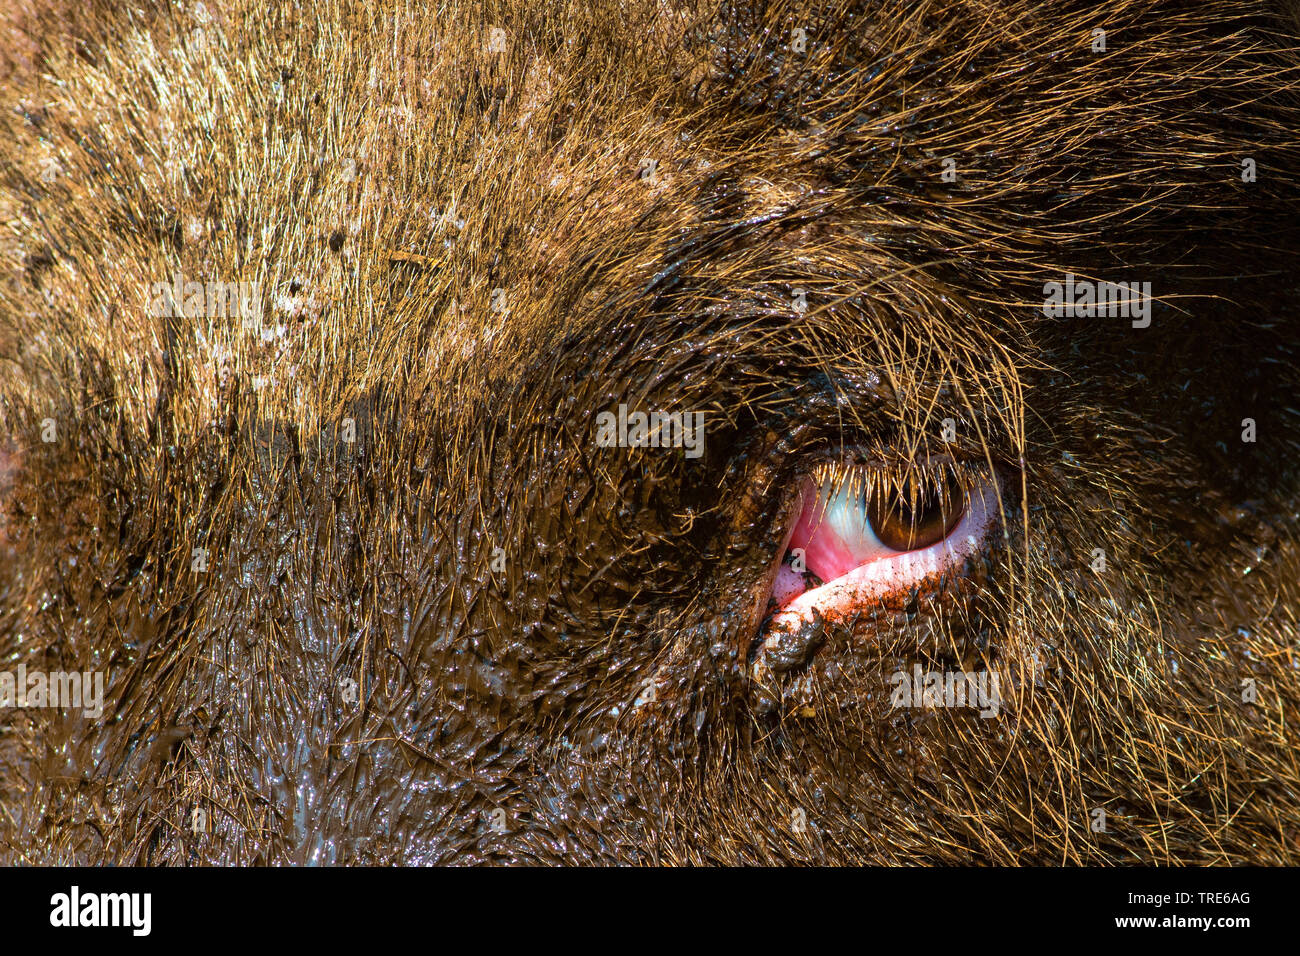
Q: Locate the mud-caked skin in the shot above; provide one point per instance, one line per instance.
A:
(365, 587)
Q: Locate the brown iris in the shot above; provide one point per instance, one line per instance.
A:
(912, 515)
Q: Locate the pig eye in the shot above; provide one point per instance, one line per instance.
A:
(915, 515)
(865, 533)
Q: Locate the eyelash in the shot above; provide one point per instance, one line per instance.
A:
(890, 481)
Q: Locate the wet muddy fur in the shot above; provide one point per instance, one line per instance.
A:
(365, 587)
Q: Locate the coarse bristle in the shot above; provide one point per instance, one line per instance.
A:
(359, 574)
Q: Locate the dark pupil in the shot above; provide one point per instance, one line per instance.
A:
(907, 520)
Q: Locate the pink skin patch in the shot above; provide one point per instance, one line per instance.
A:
(865, 584)
(789, 584)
